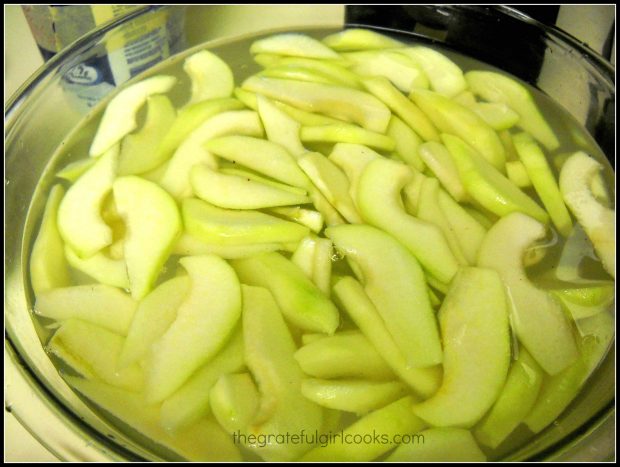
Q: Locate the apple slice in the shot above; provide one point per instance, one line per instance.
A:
(79, 214)
(234, 400)
(200, 329)
(48, 266)
(495, 87)
(407, 142)
(343, 355)
(351, 395)
(176, 178)
(335, 71)
(390, 423)
(303, 257)
(476, 340)
(192, 400)
(188, 245)
(294, 44)
(281, 128)
(119, 118)
(360, 39)
(302, 303)
(233, 228)
(98, 304)
(346, 133)
(495, 114)
(439, 445)
(514, 403)
(153, 226)
(597, 220)
(438, 159)
(211, 77)
(262, 156)
(269, 350)
(140, 150)
(93, 352)
(585, 301)
(154, 315)
(395, 283)
(308, 217)
(380, 205)
(100, 267)
(451, 117)
(340, 102)
(297, 73)
(517, 174)
(537, 317)
(352, 159)
(74, 170)
(130, 409)
(322, 268)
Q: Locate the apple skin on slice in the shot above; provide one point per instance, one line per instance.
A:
(79, 214)
(476, 340)
(153, 225)
(536, 316)
(48, 266)
(204, 321)
(395, 283)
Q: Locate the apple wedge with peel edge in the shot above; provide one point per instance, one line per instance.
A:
(153, 225)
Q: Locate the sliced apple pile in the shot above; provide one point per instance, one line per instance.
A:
(357, 239)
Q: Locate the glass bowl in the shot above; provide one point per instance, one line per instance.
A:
(42, 114)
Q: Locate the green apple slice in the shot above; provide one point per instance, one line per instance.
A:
(74, 170)
(234, 400)
(395, 283)
(191, 117)
(331, 182)
(308, 217)
(380, 205)
(236, 192)
(597, 220)
(536, 316)
(495, 87)
(444, 75)
(340, 102)
(403, 72)
(188, 245)
(351, 395)
(391, 422)
(192, 151)
(439, 445)
(514, 403)
(119, 118)
(451, 117)
(48, 266)
(302, 303)
(487, 185)
(154, 315)
(293, 44)
(281, 128)
(262, 156)
(269, 350)
(79, 214)
(100, 267)
(140, 150)
(93, 352)
(335, 71)
(343, 355)
(191, 401)
(476, 340)
(130, 409)
(346, 133)
(539, 172)
(200, 329)
(98, 304)
(517, 174)
(232, 228)
(360, 39)
(153, 226)
(438, 159)
(407, 142)
(352, 159)
(211, 77)
(387, 93)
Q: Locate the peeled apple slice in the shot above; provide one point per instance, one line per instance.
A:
(407, 142)
(359, 39)
(79, 215)
(200, 329)
(119, 118)
(346, 133)
(439, 160)
(352, 159)
(153, 225)
(48, 266)
(293, 44)
(280, 127)
(74, 170)
(476, 342)
(100, 267)
(188, 245)
(587, 300)
(211, 77)
(336, 72)
(233, 401)
(597, 220)
(537, 317)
